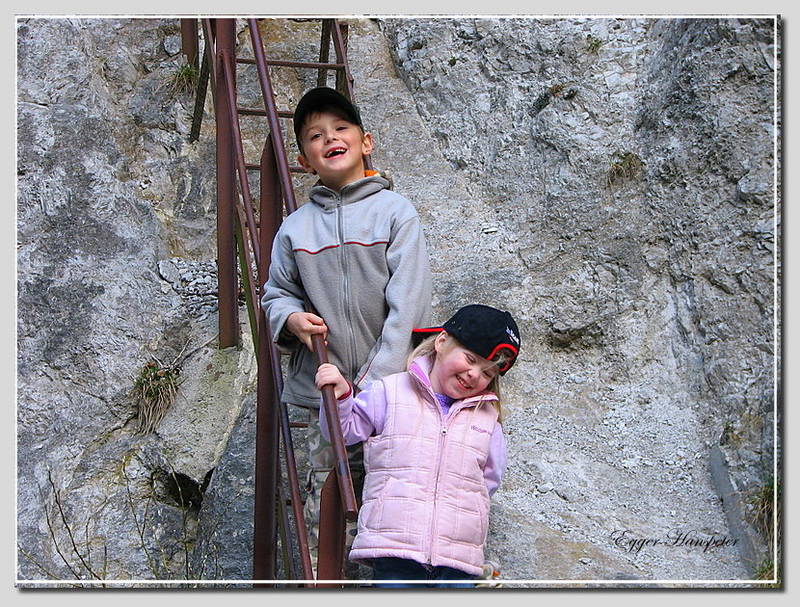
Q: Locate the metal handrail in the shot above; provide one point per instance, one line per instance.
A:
(251, 251)
(329, 398)
(339, 47)
(255, 239)
(269, 225)
(211, 45)
(272, 118)
(244, 184)
(341, 53)
(227, 279)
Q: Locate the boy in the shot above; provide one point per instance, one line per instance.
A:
(356, 251)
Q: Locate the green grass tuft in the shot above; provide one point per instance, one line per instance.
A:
(593, 44)
(766, 519)
(155, 389)
(624, 166)
(184, 80)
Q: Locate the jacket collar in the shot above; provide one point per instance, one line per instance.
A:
(329, 199)
(420, 370)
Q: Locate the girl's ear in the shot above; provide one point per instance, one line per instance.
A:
(439, 342)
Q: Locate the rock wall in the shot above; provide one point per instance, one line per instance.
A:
(624, 170)
(109, 195)
(609, 181)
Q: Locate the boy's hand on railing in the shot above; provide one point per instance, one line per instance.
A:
(305, 324)
(328, 374)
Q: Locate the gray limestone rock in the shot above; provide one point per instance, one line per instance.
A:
(96, 499)
(617, 177)
(608, 181)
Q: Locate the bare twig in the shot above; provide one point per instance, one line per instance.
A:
(53, 533)
(179, 361)
(57, 498)
(184, 530)
(139, 528)
(42, 568)
(86, 540)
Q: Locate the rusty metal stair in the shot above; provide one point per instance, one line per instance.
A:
(246, 237)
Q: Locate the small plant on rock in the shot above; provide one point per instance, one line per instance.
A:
(766, 519)
(184, 80)
(765, 571)
(593, 44)
(763, 502)
(624, 166)
(155, 389)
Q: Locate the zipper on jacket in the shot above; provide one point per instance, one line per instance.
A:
(352, 362)
(444, 424)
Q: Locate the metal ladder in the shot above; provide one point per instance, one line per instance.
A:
(243, 237)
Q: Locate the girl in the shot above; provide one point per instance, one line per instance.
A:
(434, 450)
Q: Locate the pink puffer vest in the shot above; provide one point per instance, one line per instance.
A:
(425, 497)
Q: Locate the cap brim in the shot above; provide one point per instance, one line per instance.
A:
(499, 348)
(419, 335)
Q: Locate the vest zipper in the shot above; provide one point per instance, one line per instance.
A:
(445, 423)
(439, 456)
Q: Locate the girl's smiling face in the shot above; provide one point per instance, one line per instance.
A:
(458, 372)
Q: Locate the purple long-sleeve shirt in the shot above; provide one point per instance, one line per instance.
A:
(365, 415)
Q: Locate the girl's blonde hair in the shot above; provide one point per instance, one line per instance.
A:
(427, 348)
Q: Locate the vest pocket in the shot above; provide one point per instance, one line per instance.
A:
(370, 514)
(296, 360)
(483, 525)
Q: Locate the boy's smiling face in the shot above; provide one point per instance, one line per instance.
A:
(334, 149)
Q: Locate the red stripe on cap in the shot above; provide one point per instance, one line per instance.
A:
(497, 349)
(428, 330)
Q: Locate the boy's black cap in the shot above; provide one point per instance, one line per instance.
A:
(321, 97)
(485, 330)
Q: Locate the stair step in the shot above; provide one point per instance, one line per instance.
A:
(316, 65)
(255, 111)
(293, 168)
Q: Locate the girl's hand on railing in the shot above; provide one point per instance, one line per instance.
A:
(328, 374)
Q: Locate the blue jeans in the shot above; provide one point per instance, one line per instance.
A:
(390, 568)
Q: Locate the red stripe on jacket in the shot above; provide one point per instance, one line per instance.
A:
(333, 246)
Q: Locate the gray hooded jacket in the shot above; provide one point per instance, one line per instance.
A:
(359, 255)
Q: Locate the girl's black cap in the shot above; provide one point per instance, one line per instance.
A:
(485, 330)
